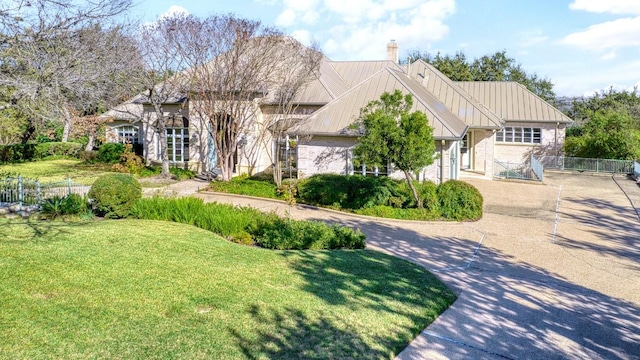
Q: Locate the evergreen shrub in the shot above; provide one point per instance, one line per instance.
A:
(113, 195)
(110, 153)
(459, 200)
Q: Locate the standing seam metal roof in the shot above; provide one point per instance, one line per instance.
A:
(336, 117)
(454, 97)
(513, 101)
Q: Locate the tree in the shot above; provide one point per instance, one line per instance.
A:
(390, 134)
(608, 134)
(234, 67)
(495, 67)
(158, 45)
(63, 57)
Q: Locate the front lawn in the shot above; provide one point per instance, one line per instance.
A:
(56, 170)
(135, 289)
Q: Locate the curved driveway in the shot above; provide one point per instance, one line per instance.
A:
(552, 271)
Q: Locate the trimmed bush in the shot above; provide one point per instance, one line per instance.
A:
(65, 149)
(459, 200)
(110, 153)
(114, 195)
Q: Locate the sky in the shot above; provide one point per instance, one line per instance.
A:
(582, 46)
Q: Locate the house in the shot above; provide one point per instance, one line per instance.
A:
(475, 123)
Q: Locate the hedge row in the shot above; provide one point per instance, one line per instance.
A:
(249, 226)
(385, 197)
(18, 153)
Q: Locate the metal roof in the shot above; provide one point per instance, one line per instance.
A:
(454, 97)
(328, 86)
(336, 117)
(355, 72)
(513, 101)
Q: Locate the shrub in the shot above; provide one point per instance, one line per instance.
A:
(114, 195)
(245, 225)
(56, 206)
(349, 192)
(459, 200)
(285, 234)
(65, 149)
(17, 153)
(129, 161)
(110, 153)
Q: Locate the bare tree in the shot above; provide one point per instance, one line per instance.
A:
(158, 44)
(63, 57)
(235, 67)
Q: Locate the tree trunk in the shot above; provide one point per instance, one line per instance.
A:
(162, 135)
(416, 198)
(66, 130)
(90, 143)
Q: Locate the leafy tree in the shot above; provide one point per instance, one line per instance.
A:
(495, 67)
(607, 135)
(390, 134)
(583, 109)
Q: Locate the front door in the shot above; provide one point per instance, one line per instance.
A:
(465, 153)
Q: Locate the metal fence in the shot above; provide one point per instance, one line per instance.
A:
(586, 164)
(520, 171)
(18, 193)
(636, 169)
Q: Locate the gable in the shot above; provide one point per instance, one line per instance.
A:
(336, 117)
(454, 97)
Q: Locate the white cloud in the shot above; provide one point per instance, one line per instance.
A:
(174, 10)
(365, 29)
(607, 6)
(608, 35)
(286, 18)
(305, 12)
(303, 36)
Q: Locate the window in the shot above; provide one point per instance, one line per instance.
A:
(287, 153)
(178, 144)
(516, 134)
(355, 167)
(128, 134)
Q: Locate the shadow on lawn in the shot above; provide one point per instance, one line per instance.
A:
(298, 337)
(372, 286)
(36, 230)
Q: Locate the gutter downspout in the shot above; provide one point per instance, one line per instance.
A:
(442, 161)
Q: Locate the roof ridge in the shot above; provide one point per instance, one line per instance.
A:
(444, 123)
(461, 91)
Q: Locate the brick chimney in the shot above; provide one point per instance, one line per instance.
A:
(392, 51)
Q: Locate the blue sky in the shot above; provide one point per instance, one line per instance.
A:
(582, 46)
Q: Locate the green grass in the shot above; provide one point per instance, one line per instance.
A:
(56, 170)
(60, 169)
(247, 186)
(139, 289)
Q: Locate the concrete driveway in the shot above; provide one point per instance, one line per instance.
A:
(552, 271)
